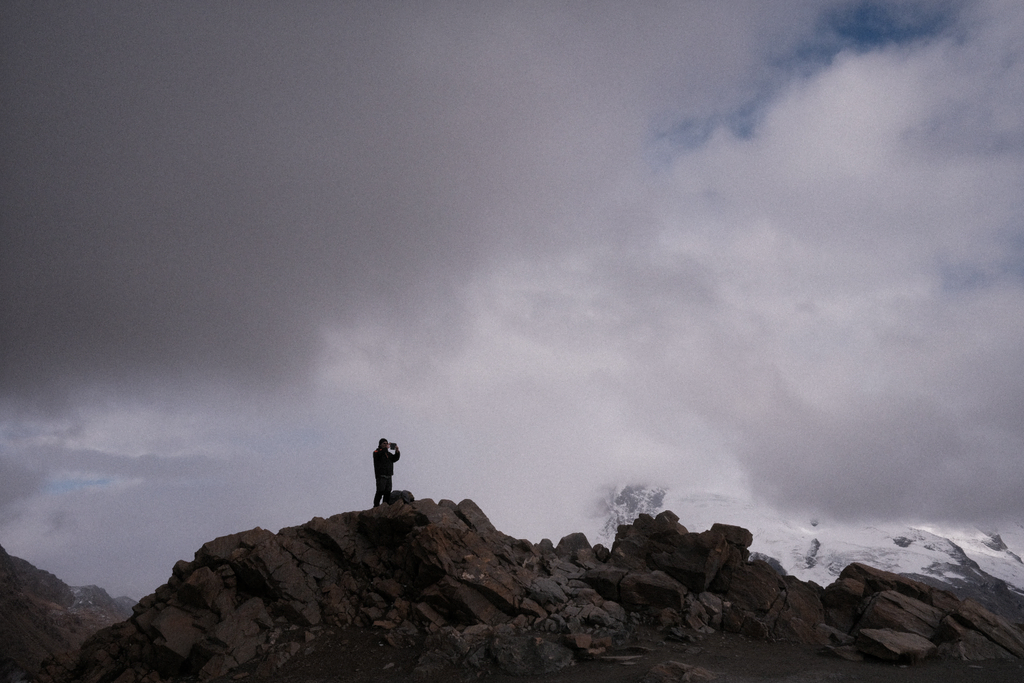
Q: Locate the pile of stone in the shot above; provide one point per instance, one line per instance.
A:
(440, 576)
(892, 617)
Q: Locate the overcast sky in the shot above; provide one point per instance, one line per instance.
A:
(773, 250)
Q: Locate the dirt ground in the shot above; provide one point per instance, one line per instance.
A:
(362, 656)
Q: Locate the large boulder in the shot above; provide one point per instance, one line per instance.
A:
(755, 587)
(737, 537)
(694, 560)
(470, 513)
(570, 546)
(605, 580)
(176, 634)
(651, 589)
(894, 645)
(842, 602)
(801, 613)
(635, 543)
(956, 641)
(994, 627)
(878, 580)
(896, 611)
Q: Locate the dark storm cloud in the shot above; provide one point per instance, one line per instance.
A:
(190, 193)
(185, 192)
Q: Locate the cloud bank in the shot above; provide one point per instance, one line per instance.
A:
(549, 249)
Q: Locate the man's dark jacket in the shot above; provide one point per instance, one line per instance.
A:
(383, 462)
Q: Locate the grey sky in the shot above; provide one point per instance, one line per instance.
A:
(773, 249)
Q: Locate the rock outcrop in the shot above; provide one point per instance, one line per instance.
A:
(439, 575)
(893, 617)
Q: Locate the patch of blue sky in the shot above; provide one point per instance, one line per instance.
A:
(865, 25)
(858, 26)
(693, 132)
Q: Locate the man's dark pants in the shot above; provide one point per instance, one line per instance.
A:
(383, 489)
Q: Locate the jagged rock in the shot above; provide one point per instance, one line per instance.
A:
(801, 613)
(605, 580)
(894, 645)
(470, 513)
(405, 635)
(735, 535)
(486, 575)
(994, 627)
(664, 530)
(973, 647)
(615, 612)
(878, 580)
(201, 588)
(739, 540)
(570, 546)
(546, 591)
(695, 559)
(842, 602)
(896, 611)
(220, 549)
(241, 632)
(714, 607)
(461, 603)
(651, 589)
(696, 615)
(177, 635)
(755, 587)
(959, 642)
(635, 543)
(629, 550)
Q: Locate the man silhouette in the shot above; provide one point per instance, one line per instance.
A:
(383, 469)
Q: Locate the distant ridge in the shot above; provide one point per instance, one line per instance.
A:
(41, 616)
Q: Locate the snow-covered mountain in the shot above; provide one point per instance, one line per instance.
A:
(985, 564)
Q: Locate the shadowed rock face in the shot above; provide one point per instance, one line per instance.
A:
(443, 573)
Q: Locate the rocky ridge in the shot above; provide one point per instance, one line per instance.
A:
(441, 577)
(40, 615)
